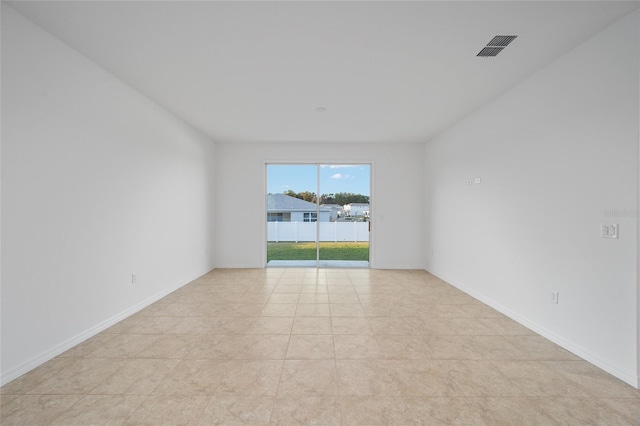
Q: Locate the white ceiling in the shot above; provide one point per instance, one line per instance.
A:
(385, 71)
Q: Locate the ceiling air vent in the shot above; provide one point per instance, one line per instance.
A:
(496, 45)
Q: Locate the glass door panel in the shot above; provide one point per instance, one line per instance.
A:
(344, 212)
(292, 215)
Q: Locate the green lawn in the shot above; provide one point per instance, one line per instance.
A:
(328, 251)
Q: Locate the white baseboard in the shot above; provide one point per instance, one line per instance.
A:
(627, 377)
(79, 338)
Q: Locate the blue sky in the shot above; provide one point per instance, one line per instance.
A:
(333, 178)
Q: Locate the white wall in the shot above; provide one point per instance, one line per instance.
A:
(98, 182)
(553, 153)
(397, 183)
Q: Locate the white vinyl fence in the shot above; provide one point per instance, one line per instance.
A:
(306, 231)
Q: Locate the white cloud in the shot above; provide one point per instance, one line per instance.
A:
(341, 176)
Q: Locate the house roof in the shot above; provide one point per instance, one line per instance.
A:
(286, 203)
(332, 206)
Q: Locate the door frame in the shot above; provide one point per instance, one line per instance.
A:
(317, 163)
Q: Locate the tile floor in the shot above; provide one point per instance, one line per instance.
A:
(320, 347)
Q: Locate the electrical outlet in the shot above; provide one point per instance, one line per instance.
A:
(134, 278)
(609, 231)
(554, 297)
(477, 180)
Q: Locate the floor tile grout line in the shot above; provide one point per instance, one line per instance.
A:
(335, 364)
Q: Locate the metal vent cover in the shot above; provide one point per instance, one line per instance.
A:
(501, 40)
(496, 45)
(490, 51)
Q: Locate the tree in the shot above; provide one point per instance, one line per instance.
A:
(343, 198)
(327, 199)
(340, 198)
(308, 196)
(304, 195)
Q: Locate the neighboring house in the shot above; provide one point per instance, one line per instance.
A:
(336, 211)
(357, 209)
(284, 208)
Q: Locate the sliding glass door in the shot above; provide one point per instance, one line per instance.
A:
(318, 215)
